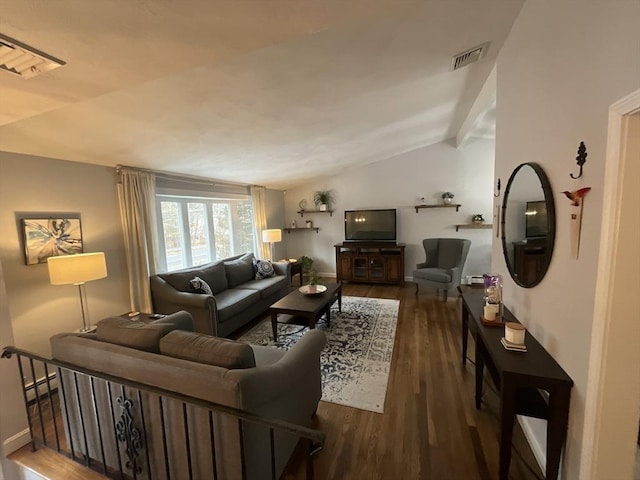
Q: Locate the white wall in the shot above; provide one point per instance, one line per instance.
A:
(33, 184)
(562, 66)
(398, 182)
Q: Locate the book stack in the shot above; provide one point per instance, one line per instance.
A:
(515, 347)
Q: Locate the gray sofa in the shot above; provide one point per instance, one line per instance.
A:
(237, 297)
(272, 383)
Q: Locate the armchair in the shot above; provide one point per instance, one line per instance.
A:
(443, 265)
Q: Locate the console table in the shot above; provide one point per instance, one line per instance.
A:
(520, 378)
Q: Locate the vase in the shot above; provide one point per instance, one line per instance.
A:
(323, 207)
(447, 200)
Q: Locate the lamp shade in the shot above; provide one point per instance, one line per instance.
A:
(272, 235)
(80, 268)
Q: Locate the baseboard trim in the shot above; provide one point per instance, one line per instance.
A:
(16, 442)
(539, 452)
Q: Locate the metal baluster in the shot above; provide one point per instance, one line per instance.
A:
(134, 463)
(144, 432)
(53, 415)
(66, 413)
(95, 407)
(164, 440)
(185, 418)
(84, 431)
(273, 454)
(242, 460)
(213, 446)
(115, 430)
(26, 403)
(37, 395)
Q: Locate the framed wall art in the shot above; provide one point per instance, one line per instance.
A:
(50, 237)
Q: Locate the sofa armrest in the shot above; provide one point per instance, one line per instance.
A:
(422, 265)
(296, 374)
(202, 307)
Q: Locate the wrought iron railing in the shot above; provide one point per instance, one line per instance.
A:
(65, 412)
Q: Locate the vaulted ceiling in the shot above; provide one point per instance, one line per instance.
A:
(270, 92)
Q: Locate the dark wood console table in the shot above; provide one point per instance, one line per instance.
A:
(519, 377)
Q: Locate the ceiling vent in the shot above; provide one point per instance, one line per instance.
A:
(24, 61)
(469, 56)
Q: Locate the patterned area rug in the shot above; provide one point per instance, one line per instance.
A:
(355, 362)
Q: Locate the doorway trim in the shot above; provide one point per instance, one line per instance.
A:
(601, 337)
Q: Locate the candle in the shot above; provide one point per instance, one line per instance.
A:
(489, 312)
(514, 333)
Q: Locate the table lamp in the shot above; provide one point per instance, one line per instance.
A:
(271, 236)
(76, 270)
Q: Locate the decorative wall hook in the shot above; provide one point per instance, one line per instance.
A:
(497, 188)
(581, 159)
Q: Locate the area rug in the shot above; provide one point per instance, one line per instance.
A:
(355, 363)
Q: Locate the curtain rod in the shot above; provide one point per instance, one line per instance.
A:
(186, 178)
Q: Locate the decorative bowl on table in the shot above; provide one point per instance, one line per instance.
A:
(312, 289)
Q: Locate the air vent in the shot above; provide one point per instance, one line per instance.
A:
(24, 61)
(469, 56)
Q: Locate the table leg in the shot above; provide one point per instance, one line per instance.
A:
(465, 333)
(479, 372)
(312, 321)
(274, 325)
(556, 429)
(329, 315)
(507, 417)
(340, 299)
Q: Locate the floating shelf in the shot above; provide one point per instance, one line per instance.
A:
(474, 225)
(289, 230)
(302, 212)
(451, 205)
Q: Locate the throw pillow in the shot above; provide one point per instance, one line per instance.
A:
(200, 286)
(264, 269)
(240, 270)
(197, 347)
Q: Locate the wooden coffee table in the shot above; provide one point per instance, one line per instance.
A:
(307, 308)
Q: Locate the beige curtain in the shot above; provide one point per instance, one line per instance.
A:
(260, 215)
(136, 195)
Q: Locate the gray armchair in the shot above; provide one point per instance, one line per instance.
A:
(443, 267)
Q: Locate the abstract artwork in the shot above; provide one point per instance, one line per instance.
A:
(50, 237)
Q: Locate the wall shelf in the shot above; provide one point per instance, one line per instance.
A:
(302, 212)
(474, 225)
(289, 230)
(451, 205)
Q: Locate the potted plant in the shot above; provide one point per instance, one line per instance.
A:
(323, 199)
(307, 263)
(447, 197)
(477, 218)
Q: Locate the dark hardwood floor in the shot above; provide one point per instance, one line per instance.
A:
(430, 428)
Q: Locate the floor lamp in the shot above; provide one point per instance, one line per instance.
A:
(272, 236)
(76, 270)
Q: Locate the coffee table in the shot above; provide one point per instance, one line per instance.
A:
(306, 309)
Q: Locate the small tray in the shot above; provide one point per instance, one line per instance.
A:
(307, 290)
(492, 323)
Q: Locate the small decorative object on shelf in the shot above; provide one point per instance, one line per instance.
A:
(309, 224)
(293, 224)
(323, 199)
(447, 197)
(302, 204)
(477, 219)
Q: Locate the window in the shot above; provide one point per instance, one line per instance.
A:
(195, 230)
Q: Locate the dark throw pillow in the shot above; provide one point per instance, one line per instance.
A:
(200, 286)
(264, 269)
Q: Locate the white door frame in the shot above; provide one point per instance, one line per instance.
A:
(602, 338)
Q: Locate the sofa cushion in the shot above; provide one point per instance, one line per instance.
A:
(267, 286)
(240, 270)
(436, 274)
(233, 301)
(200, 286)
(141, 335)
(200, 348)
(212, 273)
(264, 269)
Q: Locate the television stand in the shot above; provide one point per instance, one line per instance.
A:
(370, 262)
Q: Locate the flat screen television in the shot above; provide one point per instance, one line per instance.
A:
(370, 225)
(536, 219)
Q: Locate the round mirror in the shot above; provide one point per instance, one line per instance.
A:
(528, 224)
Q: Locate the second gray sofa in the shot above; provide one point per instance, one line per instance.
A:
(236, 296)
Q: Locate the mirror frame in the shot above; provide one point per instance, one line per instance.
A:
(551, 222)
